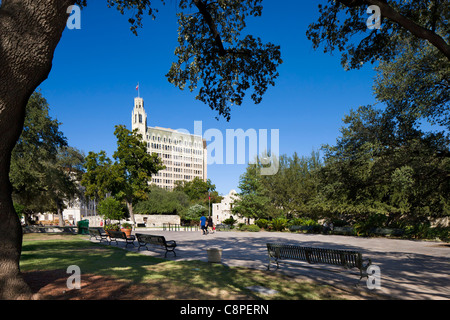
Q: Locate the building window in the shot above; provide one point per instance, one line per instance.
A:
(140, 118)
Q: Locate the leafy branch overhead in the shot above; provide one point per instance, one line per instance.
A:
(341, 21)
(212, 51)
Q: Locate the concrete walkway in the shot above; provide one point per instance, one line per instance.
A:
(409, 269)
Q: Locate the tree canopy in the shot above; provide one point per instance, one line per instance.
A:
(45, 171)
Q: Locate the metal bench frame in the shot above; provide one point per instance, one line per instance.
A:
(279, 252)
(145, 239)
(114, 235)
(98, 234)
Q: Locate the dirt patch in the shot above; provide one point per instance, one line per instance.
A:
(52, 285)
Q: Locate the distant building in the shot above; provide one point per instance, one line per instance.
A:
(75, 210)
(184, 155)
(223, 210)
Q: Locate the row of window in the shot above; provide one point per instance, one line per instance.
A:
(170, 175)
(181, 164)
(175, 141)
(170, 181)
(163, 147)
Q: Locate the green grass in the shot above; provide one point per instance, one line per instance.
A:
(181, 279)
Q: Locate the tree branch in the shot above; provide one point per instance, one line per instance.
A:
(202, 7)
(417, 30)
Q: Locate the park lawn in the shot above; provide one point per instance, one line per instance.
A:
(109, 272)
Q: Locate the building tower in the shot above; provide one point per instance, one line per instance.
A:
(139, 117)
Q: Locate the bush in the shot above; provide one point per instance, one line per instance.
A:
(279, 224)
(112, 227)
(126, 225)
(111, 209)
(304, 224)
(230, 221)
(373, 221)
(425, 231)
(251, 228)
(262, 223)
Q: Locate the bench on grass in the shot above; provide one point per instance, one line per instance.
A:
(279, 252)
(98, 234)
(145, 239)
(114, 235)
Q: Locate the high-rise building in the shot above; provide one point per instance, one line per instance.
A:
(184, 155)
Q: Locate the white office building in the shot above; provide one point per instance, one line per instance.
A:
(184, 155)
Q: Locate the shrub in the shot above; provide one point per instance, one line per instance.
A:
(279, 224)
(304, 224)
(126, 225)
(230, 221)
(262, 223)
(251, 228)
(373, 221)
(111, 208)
(112, 227)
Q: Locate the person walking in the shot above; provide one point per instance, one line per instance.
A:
(210, 224)
(203, 225)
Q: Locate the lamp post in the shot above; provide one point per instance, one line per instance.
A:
(209, 204)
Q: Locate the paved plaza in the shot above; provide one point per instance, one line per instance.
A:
(409, 269)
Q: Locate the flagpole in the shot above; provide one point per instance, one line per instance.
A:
(139, 92)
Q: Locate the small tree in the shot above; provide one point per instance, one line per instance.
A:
(111, 209)
(194, 212)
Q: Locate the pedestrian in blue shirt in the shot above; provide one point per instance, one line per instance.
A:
(203, 224)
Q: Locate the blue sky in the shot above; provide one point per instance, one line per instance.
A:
(95, 71)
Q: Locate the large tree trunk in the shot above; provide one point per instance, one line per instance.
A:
(29, 33)
(130, 211)
(59, 212)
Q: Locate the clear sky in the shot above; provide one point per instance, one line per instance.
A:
(92, 85)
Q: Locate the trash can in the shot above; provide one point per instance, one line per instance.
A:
(214, 255)
(83, 227)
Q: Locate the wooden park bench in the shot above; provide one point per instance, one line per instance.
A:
(145, 239)
(98, 234)
(345, 258)
(114, 235)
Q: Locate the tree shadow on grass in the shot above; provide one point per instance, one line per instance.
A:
(109, 272)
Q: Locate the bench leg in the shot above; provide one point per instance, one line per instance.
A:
(270, 261)
(128, 242)
(142, 245)
(173, 250)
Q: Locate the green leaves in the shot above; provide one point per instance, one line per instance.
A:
(127, 178)
(43, 167)
(342, 26)
(382, 164)
(161, 201)
(213, 55)
(134, 166)
(111, 208)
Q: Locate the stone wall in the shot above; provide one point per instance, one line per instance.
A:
(156, 220)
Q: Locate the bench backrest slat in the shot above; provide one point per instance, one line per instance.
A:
(151, 239)
(346, 258)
